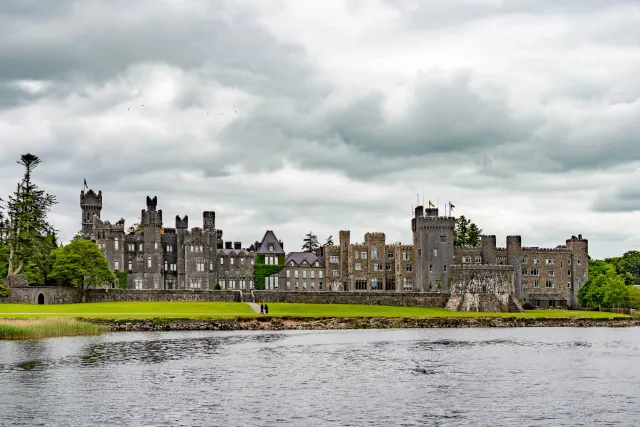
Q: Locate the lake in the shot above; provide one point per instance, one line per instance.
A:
(410, 377)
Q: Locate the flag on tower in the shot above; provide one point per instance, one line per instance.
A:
(431, 205)
(451, 206)
(85, 184)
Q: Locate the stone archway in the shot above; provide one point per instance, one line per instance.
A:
(40, 298)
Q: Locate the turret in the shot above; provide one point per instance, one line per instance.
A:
(434, 246)
(209, 220)
(91, 205)
(488, 249)
(514, 255)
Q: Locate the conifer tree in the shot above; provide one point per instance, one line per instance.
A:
(310, 242)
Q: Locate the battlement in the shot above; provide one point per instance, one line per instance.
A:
(182, 223)
(481, 267)
(209, 220)
(487, 237)
(152, 203)
(374, 235)
(537, 249)
(90, 197)
(169, 231)
(514, 239)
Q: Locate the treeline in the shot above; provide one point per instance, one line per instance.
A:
(29, 246)
(612, 282)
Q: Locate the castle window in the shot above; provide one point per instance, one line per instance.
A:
(443, 239)
(390, 255)
(525, 271)
(130, 265)
(270, 247)
(295, 283)
(117, 265)
(200, 265)
(466, 259)
(407, 285)
(578, 261)
(155, 245)
(435, 252)
(115, 243)
(221, 261)
(363, 255)
(173, 267)
(361, 284)
(304, 274)
(210, 265)
(377, 267)
(241, 260)
(568, 284)
(569, 273)
(313, 284)
(317, 264)
(390, 284)
(288, 273)
(549, 261)
(222, 284)
(356, 254)
(405, 256)
(334, 259)
(320, 276)
(169, 248)
(430, 268)
(137, 282)
(388, 266)
(295, 274)
(201, 248)
(313, 274)
(374, 284)
(374, 252)
(335, 273)
(419, 252)
(569, 261)
(550, 272)
(304, 284)
(252, 261)
(445, 267)
(166, 266)
(478, 260)
(536, 260)
(408, 268)
(149, 262)
(525, 260)
(536, 284)
(231, 260)
(535, 272)
(549, 283)
(357, 266)
(288, 285)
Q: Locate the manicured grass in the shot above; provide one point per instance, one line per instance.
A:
(130, 310)
(199, 310)
(352, 310)
(12, 329)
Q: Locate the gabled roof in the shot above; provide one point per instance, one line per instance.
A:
(270, 238)
(299, 257)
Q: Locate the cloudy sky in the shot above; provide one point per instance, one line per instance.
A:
(328, 115)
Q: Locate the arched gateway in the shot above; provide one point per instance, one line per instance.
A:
(40, 298)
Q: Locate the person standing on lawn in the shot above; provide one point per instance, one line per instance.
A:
(266, 309)
(261, 308)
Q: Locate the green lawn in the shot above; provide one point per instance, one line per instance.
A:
(194, 310)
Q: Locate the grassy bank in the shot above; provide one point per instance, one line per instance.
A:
(220, 310)
(12, 329)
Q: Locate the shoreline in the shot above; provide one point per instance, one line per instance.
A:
(341, 323)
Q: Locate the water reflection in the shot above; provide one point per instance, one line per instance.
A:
(529, 376)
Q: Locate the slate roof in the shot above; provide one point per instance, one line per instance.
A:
(270, 237)
(299, 257)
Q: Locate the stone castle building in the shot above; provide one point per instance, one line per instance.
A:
(181, 258)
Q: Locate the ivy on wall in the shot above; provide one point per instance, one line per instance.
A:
(122, 278)
(262, 270)
(4, 291)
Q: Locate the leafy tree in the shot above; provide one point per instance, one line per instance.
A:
(466, 233)
(82, 264)
(310, 242)
(616, 293)
(634, 297)
(28, 232)
(329, 241)
(604, 288)
(135, 227)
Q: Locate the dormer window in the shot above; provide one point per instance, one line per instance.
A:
(271, 247)
(293, 264)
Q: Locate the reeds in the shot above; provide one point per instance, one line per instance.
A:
(15, 329)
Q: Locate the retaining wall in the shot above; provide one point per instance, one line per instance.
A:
(413, 299)
(50, 295)
(152, 295)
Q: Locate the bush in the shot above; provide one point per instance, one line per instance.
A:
(528, 306)
(217, 287)
(4, 291)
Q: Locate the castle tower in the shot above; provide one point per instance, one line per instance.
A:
(579, 267)
(209, 220)
(514, 255)
(434, 245)
(345, 242)
(151, 222)
(91, 205)
(182, 225)
(488, 249)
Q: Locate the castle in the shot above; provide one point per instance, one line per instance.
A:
(178, 258)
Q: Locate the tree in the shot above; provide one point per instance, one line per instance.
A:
(329, 241)
(466, 233)
(634, 297)
(616, 293)
(605, 287)
(135, 227)
(27, 228)
(83, 265)
(310, 242)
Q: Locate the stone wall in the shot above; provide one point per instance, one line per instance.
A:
(483, 288)
(152, 295)
(413, 299)
(50, 295)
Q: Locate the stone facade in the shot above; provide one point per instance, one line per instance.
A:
(122, 295)
(412, 299)
(483, 288)
(372, 265)
(303, 271)
(42, 295)
(167, 258)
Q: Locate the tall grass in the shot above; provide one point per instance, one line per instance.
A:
(15, 329)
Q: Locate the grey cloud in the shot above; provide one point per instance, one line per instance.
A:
(623, 198)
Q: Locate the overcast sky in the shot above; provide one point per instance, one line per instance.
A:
(328, 115)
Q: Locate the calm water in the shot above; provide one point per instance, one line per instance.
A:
(439, 377)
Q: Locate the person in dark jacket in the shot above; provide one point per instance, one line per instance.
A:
(261, 308)
(266, 309)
